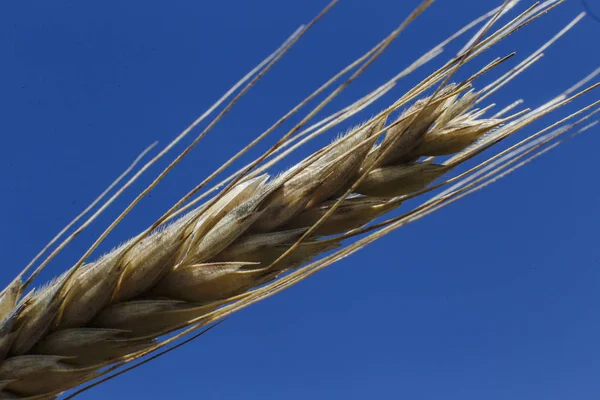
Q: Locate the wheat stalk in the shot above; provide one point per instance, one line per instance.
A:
(198, 264)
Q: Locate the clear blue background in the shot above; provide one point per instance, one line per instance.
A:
(494, 297)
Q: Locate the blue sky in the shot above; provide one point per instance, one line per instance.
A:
(493, 297)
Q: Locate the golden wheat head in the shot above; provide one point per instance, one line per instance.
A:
(258, 234)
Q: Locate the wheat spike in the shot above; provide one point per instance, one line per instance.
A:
(263, 233)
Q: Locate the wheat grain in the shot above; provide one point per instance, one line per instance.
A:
(261, 233)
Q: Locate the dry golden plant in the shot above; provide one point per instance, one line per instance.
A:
(258, 234)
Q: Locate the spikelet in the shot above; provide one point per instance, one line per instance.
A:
(85, 347)
(402, 139)
(205, 283)
(38, 309)
(9, 299)
(352, 213)
(455, 137)
(400, 180)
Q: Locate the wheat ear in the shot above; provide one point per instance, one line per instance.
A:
(261, 234)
